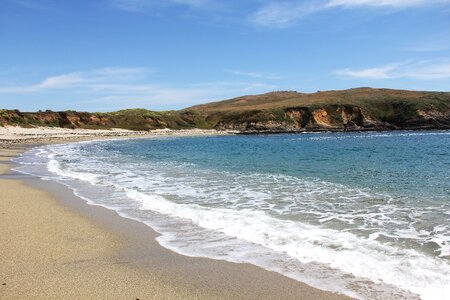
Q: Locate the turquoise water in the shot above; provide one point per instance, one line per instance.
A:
(365, 214)
(409, 164)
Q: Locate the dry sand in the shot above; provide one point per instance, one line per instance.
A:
(20, 135)
(55, 246)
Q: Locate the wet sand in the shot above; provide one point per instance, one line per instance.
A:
(54, 245)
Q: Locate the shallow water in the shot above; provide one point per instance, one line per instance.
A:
(365, 214)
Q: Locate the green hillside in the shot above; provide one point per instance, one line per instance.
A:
(286, 111)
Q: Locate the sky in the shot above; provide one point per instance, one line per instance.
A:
(105, 55)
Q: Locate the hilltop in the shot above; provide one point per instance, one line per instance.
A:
(354, 109)
(284, 111)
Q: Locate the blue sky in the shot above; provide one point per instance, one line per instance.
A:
(106, 55)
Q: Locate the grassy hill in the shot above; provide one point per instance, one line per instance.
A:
(286, 111)
(355, 109)
(133, 119)
(363, 97)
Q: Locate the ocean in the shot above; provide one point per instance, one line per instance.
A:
(363, 214)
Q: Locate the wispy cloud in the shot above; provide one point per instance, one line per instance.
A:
(383, 72)
(167, 96)
(272, 13)
(284, 14)
(261, 75)
(144, 5)
(384, 3)
(420, 70)
(87, 79)
(131, 87)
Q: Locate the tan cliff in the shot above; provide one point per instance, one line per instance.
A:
(349, 110)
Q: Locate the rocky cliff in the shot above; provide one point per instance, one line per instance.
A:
(332, 118)
(350, 110)
(133, 119)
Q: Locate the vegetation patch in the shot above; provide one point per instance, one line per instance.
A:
(386, 109)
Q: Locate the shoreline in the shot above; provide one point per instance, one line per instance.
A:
(325, 130)
(128, 259)
(13, 135)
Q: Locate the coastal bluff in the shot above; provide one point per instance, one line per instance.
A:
(361, 109)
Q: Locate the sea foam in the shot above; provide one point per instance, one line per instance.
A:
(349, 240)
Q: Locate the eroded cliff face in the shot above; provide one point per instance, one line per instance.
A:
(336, 118)
(71, 119)
(348, 110)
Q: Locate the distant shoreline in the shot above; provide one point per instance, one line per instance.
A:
(269, 132)
(42, 135)
(14, 135)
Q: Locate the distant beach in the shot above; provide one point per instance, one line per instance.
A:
(42, 135)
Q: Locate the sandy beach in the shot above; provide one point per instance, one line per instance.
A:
(55, 246)
(41, 135)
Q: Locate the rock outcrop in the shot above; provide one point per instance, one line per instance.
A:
(350, 110)
(341, 118)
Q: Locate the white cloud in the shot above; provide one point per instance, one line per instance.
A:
(271, 13)
(420, 70)
(372, 73)
(182, 95)
(60, 81)
(430, 72)
(143, 5)
(284, 14)
(381, 3)
(164, 97)
(130, 87)
(91, 78)
(87, 79)
(261, 75)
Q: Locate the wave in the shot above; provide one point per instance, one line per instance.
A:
(328, 235)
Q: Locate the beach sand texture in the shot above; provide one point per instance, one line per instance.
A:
(54, 246)
(20, 135)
